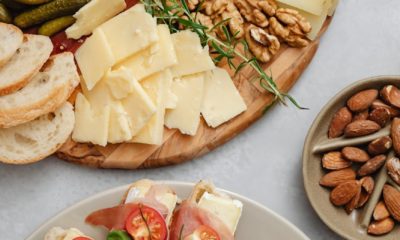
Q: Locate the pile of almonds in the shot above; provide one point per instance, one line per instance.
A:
(352, 169)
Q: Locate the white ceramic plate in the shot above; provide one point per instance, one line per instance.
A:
(257, 222)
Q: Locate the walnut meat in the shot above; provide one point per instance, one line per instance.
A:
(261, 44)
(257, 12)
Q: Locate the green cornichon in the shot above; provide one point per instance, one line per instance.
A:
(48, 11)
(33, 2)
(56, 25)
(5, 15)
(118, 235)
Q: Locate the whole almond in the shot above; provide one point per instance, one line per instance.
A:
(350, 206)
(391, 94)
(373, 165)
(335, 178)
(394, 112)
(380, 211)
(355, 154)
(368, 184)
(395, 133)
(381, 227)
(380, 115)
(362, 100)
(339, 122)
(393, 168)
(392, 200)
(380, 145)
(344, 192)
(334, 161)
(361, 128)
(364, 196)
(361, 115)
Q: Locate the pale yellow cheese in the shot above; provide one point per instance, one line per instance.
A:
(156, 88)
(192, 57)
(332, 5)
(130, 33)
(186, 115)
(120, 82)
(139, 7)
(315, 7)
(119, 127)
(172, 99)
(100, 96)
(157, 57)
(221, 100)
(94, 58)
(93, 15)
(90, 126)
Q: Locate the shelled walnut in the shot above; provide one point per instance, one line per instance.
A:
(261, 44)
(257, 12)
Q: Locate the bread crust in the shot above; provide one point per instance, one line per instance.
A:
(15, 29)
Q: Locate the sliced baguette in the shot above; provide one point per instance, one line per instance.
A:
(10, 40)
(25, 63)
(34, 141)
(46, 92)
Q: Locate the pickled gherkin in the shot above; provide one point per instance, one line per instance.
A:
(56, 25)
(48, 11)
(5, 15)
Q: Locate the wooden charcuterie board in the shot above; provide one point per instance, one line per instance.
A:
(286, 68)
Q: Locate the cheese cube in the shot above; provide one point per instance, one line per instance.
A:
(90, 126)
(93, 15)
(119, 127)
(120, 82)
(155, 87)
(192, 57)
(315, 7)
(94, 58)
(186, 115)
(129, 33)
(221, 101)
(227, 210)
(156, 58)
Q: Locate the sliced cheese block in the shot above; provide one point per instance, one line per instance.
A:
(90, 126)
(221, 101)
(119, 126)
(100, 96)
(156, 87)
(192, 57)
(94, 58)
(93, 15)
(332, 5)
(120, 82)
(315, 7)
(130, 33)
(157, 57)
(186, 115)
(228, 210)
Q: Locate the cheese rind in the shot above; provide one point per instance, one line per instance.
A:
(186, 115)
(332, 5)
(119, 126)
(93, 15)
(221, 101)
(120, 82)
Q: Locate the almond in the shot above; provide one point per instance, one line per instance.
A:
(380, 115)
(392, 201)
(335, 178)
(380, 211)
(362, 100)
(361, 115)
(364, 197)
(361, 128)
(355, 154)
(368, 184)
(344, 192)
(350, 206)
(394, 112)
(381, 227)
(334, 161)
(391, 95)
(393, 168)
(395, 133)
(339, 122)
(372, 165)
(380, 145)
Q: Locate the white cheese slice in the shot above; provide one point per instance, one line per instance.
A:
(221, 101)
(94, 58)
(186, 115)
(93, 15)
(120, 82)
(228, 210)
(157, 57)
(172, 99)
(99, 96)
(58, 233)
(156, 88)
(192, 57)
(119, 129)
(90, 126)
(315, 7)
(129, 33)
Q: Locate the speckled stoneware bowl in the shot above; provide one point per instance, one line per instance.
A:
(351, 226)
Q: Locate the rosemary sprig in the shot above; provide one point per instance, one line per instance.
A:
(176, 13)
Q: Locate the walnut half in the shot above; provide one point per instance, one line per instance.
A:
(261, 44)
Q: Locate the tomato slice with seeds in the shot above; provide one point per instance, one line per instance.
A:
(145, 223)
(205, 232)
(82, 238)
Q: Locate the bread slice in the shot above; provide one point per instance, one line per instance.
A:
(34, 141)
(46, 92)
(25, 63)
(10, 40)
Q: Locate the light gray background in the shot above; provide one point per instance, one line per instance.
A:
(263, 163)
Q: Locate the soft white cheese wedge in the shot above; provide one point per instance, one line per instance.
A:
(228, 210)
(120, 82)
(58, 233)
(186, 115)
(221, 101)
(192, 57)
(93, 15)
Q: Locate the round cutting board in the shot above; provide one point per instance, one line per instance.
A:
(286, 67)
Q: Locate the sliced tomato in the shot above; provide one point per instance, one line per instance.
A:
(205, 232)
(82, 238)
(145, 223)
